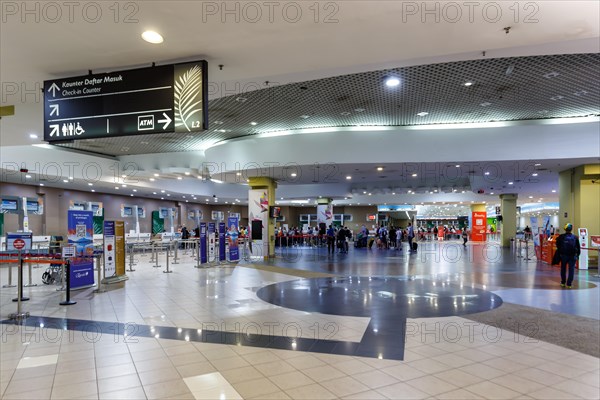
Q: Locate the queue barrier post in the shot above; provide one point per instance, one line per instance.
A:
(20, 314)
(167, 271)
(68, 301)
(131, 247)
(176, 242)
(99, 288)
(9, 284)
(31, 284)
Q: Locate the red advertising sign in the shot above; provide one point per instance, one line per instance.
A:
(19, 244)
(478, 226)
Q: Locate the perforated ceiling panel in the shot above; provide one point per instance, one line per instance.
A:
(503, 89)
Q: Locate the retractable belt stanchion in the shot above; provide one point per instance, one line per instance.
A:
(62, 278)
(167, 270)
(156, 258)
(197, 244)
(19, 314)
(100, 288)
(9, 284)
(68, 301)
(527, 250)
(30, 284)
(131, 246)
(176, 242)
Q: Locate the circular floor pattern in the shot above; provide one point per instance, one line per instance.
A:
(379, 297)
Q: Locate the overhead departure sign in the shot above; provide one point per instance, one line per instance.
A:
(162, 99)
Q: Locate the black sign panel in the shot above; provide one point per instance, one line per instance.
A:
(164, 99)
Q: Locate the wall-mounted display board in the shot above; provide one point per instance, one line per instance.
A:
(161, 99)
(167, 212)
(129, 211)
(14, 205)
(9, 205)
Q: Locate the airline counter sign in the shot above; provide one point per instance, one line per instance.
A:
(161, 99)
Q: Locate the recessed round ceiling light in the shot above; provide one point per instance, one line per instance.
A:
(135, 190)
(179, 178)
(379, 168)
(162, 191)
(469, 83)
(28, 176)
(187, 173)
(90, 184)
(414, 175)
(152, 179)
(293, 174)
(422, 114)
(70, 178)
(392, 81)
(33, 136)
(534, 174)
(116, 187)
(93, 190)
(156, 175)
(553, 191)
(41, 184)
(510, 183)
(253, 123)
(348, 177)
(152, 37)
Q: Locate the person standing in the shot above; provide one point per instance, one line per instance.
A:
(569, 249)
(465, 236)
(410, 235)
(330, 240)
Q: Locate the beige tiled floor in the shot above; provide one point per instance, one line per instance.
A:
(72, 365)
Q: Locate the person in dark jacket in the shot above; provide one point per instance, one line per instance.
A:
(569, 249)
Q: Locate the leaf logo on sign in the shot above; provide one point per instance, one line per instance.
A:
(188, 95)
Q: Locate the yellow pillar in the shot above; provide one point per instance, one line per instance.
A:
(268, 186)
(508, 207)
(579, 198)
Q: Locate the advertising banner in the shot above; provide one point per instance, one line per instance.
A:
(109, 249)
(535, 230)
(211, 241)
(258, 215)
(325, 214)
(222, 254)
(547, 226)
(81, 235)
(120, 248)
(232, 238)
(583, 242)
(202, 247)
(478, 230)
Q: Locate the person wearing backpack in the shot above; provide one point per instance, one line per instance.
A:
(569, 249)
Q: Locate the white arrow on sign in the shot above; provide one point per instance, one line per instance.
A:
(54, 110)
(166, 121)
(53, 89)
(54, 130)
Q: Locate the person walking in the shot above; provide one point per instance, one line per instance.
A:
(410, 236)
(569, 249)
(465, 236)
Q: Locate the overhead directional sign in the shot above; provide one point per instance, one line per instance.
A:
(161, 99)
